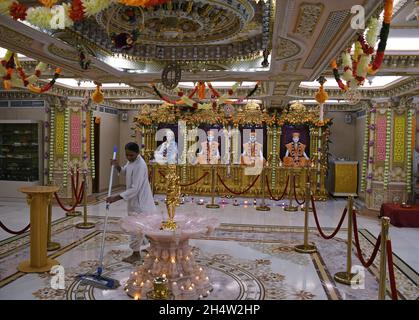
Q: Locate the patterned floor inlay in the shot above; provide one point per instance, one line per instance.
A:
(244, 263)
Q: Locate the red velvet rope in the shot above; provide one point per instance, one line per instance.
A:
(283, 194)
(12, 231)
(196, 181)
(368, 263)
(391, 271)
(295, 195)
(316, 218)
(234, 192)
(79, 196)
(187, 184)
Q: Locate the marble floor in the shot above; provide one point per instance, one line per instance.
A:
(250, 256)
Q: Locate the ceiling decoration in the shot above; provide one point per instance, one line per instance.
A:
(185, 30)
(286, 49)
(308, 17)
(180, 23)
(334, 22)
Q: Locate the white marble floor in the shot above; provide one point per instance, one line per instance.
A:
(405, 241)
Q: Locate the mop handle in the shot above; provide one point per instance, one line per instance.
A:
(115, 148)
(102, 246)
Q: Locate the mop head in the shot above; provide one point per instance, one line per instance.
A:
(99, 281)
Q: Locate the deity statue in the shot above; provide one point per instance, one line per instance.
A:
(172, 196)
(252, 151)
(209, 150)
(295, 155)
(167, 152)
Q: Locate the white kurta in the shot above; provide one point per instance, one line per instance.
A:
(138, 191)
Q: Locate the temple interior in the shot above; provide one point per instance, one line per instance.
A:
(209, 150)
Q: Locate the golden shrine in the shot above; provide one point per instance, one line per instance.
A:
(233, 177)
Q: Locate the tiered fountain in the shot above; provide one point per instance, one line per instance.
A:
(169, 270)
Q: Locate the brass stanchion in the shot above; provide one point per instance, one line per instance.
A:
(51, 246)
(73, 213)
(306, 247)
(212, 205)
(346, 277)
(290, 207)
(263, 206)
(85, 224)
(385, 224)
(307, 180)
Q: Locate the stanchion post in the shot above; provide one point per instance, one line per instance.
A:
(290, 207)
(385, 224)
(306, 247)
(74, 212)
(307, 180)
(51, 246)
(153, 182)
(263, 206)
(346, 277)
(85, 224)
(212, 205)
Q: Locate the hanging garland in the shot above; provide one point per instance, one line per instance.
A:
(92, 145)
(51, 144)
(365, 152)
(65, 154)
(356, 69)
(216, 97)
(49, 16)
(409, 151)
(388, 147)
(11, 63)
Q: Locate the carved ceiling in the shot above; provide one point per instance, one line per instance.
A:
(211, 40)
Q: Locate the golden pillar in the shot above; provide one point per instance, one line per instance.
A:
(385, 224)
(38, 198)
(346, 277)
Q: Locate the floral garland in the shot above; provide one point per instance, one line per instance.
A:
(388, 147)
(11, 62)
(66, 134)
(356, 69)
(216, 94)
(365, 150)
(409, 151)
(49, 16)
(51, 144)
(371, 144)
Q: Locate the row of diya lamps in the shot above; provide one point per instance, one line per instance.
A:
(165, 276)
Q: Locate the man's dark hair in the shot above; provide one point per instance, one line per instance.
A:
(132, 146)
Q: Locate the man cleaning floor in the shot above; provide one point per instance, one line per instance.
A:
(138, 193)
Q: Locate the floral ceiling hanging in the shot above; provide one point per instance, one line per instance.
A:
(357, 67)
(59, 16)
(13, 74)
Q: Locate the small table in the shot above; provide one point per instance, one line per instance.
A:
(38, 198)
(400, 216)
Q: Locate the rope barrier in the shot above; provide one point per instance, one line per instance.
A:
(196, 181)
(316, 218)
(234, 192)
(270, 191)
(391, 271)
(187, 184)
(368, 263)
(295, 195)
(79, 197)
(12, 231)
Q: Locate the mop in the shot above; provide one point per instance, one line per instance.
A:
(96, 279)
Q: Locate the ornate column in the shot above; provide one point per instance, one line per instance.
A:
(389, 168)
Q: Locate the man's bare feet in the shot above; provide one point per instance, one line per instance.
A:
(135, 257)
